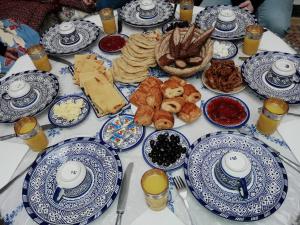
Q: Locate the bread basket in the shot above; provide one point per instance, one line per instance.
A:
(163, 47)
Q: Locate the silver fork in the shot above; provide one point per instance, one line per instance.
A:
(182, 192)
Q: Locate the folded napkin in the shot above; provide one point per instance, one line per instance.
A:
(271, 42)
(289, 131)
(164, 217)
(11, 156)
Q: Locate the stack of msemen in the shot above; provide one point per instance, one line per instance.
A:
(137, 56)
(92, 76)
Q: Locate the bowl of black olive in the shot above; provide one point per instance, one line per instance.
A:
(165, 149)
(173, 24)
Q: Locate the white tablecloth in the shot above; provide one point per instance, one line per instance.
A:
(11, 203)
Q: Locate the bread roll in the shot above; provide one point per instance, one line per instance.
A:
(163, 120)
(171, 89)
(189, 112)
(191, 94)
(154, 98)
(172, 105)
(144, 115)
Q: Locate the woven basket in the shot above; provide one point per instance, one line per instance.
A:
(163, 47)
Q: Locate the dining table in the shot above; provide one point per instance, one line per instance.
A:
(11, 204)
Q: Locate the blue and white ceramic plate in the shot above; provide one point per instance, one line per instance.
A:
(153, 136)
(208, 17)
(40, 182)
(121, 133)
(231, 50)
(44, 84)
(60, 122)
(88, 33)
(255, 69)
(267, 190)
(130, 14)
(229, 125)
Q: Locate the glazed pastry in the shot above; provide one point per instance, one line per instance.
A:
(171, 89)
(138, 98)
(172, 105)
(163, 120)
(144, 115)
(180, 81)
(154, 98)
(149, 83)
(191, 94)
(189, 112)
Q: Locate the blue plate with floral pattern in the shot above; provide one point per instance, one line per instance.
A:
(147, 149)
(121, 133)
(61, 122)
(101, 161)
(268, 188)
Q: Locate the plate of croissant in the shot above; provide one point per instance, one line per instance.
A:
(165, 104)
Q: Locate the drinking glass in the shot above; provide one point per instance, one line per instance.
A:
(186, 10)
(155, 185)
(273, 111)
(39, 58)
(252, 39)
(108, 20)
(30, 131)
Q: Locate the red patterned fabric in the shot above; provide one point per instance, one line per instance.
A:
(77, 4)
(30, 12)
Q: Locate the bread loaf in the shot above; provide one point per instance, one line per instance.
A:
(163, 120)
(172, 105)
(189, 112)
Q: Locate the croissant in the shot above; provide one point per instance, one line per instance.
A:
(191, 94)
(163, 120)
(144, 115)
(189, 112)
(171, 89)
(172, 105)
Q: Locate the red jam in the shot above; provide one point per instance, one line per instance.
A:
(226, 111)
(112, 43)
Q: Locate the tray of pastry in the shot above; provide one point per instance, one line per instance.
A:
(96, 82)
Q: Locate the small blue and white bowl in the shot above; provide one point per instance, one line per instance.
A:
(224, 50)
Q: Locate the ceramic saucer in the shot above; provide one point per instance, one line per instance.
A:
(60, 122)
(130, 14)
(268, 188)
(121, 133)
(39, 186)
(207, 19)
(44, 84)
(153, 136)
(236, 115)
(88, 33)
(255, 69)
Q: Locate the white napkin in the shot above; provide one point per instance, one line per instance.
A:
(163, 217)
(275, 45)
(11, 156)
(289, 131)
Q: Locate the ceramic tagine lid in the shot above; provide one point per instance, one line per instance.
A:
(70, 174)
(226, 15)
(236, 164)
(147, 5)
(18, 89)
(284, 67)
(66, 28)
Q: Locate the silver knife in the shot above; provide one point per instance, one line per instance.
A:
(123, 193)
(45, 127)
(120, 26)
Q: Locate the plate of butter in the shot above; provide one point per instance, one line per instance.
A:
(69, 111)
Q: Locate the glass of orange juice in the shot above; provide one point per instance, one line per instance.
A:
(108, 20)
(186, 10)
(155, 185)
(273, 111)
(252, 39)
(30, 131)
(39, 58)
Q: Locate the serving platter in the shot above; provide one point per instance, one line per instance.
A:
(39, 186)
(43, 83)
(147, 149)
(268, 188)
(88, 33)
(207, 19)
(60, 122)
(121, 133)
(255, 69)
(130, 14)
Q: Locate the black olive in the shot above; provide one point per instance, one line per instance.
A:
(183, 150)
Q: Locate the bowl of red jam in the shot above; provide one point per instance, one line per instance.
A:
(112, 43)
(226, 111)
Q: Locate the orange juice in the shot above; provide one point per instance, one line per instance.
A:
(43, 63)
(109, 26)
(155, 186)
(29, 130)
(271, 116)
(252, 39)
(39, 58)
(186, 15)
